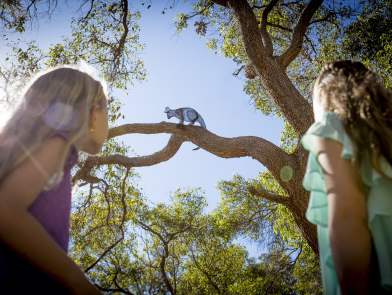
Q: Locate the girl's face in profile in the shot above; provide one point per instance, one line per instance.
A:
(98, 130)
(99, 123)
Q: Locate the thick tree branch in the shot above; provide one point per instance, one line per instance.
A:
(299, 33)
(264, 34)
(249, 28)
(268, 154)
(273, 76)
(92, 161)
(294, 106)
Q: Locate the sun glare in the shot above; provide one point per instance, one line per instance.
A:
(7, 106)
(5, 114)
(5, 109)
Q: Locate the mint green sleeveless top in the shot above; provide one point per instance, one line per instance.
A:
(379, 201)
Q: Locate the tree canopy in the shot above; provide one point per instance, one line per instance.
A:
(126, 245)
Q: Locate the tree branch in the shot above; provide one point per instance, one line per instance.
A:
(206, 274)
(283, 28)
(124, 214)
(327, 17)
(264, 34)
(224, 3)
(163, 155)
(272, 75)
(165, 278)
(238, 71)
(112, 290)
(147, 227)
(299, 33)
(249, 28)
(270, 196)
(89, 11)
(201, 11)
(117, 50)
(281, 4)
(162, 263)
(268, 154)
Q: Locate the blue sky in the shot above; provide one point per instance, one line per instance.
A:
(181, 71)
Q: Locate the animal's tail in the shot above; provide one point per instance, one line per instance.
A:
(202, 124)
(201, 121)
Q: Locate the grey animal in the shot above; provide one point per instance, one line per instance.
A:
(186, 115)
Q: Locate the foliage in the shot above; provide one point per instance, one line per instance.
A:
(369, 38)
(98, 37)
(127, 245)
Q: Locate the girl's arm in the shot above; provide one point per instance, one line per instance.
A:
(347, 218)
(22, 232)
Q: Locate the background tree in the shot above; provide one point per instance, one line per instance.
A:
(253, 46)
(369, 38)
(266, 40)
(126, 245)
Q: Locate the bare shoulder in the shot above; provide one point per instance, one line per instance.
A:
(342, 179)
(328, 154)
(21, 186)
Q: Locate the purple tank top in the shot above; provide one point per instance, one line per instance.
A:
(52, 208)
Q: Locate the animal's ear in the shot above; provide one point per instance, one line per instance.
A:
(167, 109)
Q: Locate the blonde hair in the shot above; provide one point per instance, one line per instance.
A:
(57, 99)
(365, 106)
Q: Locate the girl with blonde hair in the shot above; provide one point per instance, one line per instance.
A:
(63, 110)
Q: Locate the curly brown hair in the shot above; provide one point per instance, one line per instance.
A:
(364, 105)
